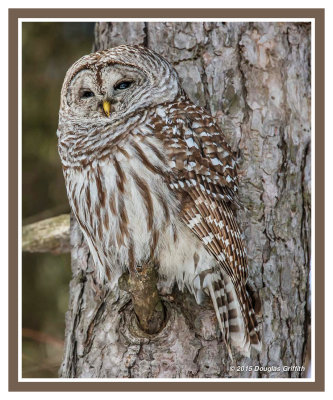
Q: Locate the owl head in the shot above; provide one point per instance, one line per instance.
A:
(108, 86)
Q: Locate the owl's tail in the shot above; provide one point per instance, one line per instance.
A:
(235, 314)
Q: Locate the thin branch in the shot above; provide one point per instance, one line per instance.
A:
(47, 236)
(42, 337)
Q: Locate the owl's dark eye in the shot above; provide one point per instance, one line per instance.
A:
(86, 94)
(123, 85)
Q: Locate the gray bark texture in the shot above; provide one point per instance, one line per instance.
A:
(255, 79)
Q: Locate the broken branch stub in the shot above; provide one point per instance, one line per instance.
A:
(148, 307)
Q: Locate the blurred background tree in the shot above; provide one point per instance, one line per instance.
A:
(48, 50)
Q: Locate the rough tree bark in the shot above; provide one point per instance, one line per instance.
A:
(255, 79)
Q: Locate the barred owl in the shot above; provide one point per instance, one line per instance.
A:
(149, 176)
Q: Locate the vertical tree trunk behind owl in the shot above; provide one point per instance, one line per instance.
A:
(255, 79)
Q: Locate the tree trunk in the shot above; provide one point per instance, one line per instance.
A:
(255, 79)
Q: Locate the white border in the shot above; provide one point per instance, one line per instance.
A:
(312, 274)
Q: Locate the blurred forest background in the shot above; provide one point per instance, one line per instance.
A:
(48, 50)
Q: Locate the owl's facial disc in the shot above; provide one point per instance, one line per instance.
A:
(116, 91)
(83, 95)
(111, 92)
(121, 87)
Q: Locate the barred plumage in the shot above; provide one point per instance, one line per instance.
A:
(154, 180)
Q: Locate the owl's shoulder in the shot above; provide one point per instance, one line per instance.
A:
(195, 144)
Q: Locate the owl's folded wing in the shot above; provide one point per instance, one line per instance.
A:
(205, 179)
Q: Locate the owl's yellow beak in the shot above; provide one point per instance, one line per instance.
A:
(106, 107)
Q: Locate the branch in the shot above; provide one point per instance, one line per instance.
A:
(42, 337)
(47, 236)
(53, 235)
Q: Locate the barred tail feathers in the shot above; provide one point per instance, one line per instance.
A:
(218, 296)
(237, 321)
(251, 321)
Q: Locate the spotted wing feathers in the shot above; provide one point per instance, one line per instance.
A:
(205, 178)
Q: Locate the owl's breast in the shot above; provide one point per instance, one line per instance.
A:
(124, 207)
